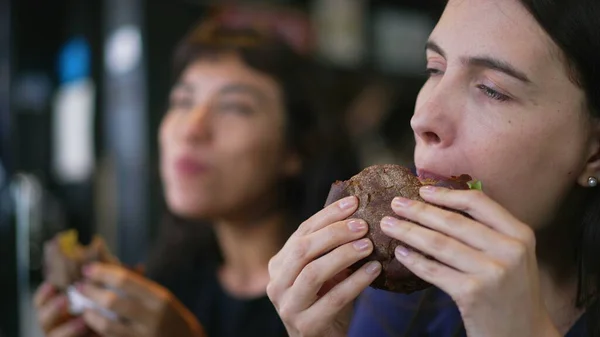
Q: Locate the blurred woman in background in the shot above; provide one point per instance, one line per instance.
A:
(243, 159)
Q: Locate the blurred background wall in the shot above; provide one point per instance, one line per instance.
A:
(84, 84)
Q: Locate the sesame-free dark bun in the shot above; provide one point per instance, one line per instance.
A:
(376, 187)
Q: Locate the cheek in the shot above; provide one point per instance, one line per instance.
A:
(253, 139)
(529, 170)
(253, 151)
(251, 160)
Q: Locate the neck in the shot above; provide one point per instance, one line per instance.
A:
(247, 248)
(559, 296)
(556, 249)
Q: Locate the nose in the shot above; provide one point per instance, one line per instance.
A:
(196, 124)
(434, 122)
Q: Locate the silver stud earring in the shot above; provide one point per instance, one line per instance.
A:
(592, 182)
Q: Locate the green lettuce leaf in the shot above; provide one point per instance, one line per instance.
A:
(475, 185)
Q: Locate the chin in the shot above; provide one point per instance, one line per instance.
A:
(188, 208)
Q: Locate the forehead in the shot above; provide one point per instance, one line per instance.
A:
(502, 29)
(226, 70)
(228, 74)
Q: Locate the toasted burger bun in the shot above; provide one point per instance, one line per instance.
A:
(376, 187)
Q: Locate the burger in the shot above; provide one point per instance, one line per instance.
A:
(376, 187)
(64, 258)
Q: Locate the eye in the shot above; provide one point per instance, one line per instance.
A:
(181, 103)
(431, 72)
(235, 107)
(493, 94)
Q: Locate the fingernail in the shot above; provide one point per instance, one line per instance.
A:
(87, 271)
(63, 303)
(373, 268)
(402, 251)
(348, 202)
(79, 324)
(428, 189)
(388, 222)
(401, 202)
(357, 225)
(362, 245)
(47, 288)
(79, 286)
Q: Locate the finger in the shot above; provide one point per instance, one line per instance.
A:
(299, 251)
(53, 312)
(73, 328)
(450, 223)
(335, 235)
(337, 211)
(329, 284)
(437, 245)
(328, 307)
(306, 287)
(478, 205)
(43, 294)
(117, 277)
(106, 327)
(125, 307)
(441, 276)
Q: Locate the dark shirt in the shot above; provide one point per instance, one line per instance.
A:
(221, 314)
(384, 314)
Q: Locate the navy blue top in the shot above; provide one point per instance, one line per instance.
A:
(380, 313)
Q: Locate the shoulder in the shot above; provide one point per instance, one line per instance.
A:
(382, 313)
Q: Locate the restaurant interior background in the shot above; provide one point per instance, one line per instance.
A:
(84, 83)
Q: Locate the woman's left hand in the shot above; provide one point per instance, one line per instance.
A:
(144, 307)
(487, 264)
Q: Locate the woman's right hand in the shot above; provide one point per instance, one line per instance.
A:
(53, 315)
(311, 285)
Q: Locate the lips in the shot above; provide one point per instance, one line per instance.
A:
(462, 181)
(426, 175)
(190, 166)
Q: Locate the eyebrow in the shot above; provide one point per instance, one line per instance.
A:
(485, 62)
(244, 89)
(188, 88)
(498, 65)
(431, 45)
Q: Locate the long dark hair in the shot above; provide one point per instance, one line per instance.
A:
(311, 132)
(574, 25)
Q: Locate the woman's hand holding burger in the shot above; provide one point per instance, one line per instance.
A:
(465, 244)
(311, 285)
(486, 262)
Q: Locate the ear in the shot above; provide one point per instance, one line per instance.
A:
(292, 165)
(592, 167)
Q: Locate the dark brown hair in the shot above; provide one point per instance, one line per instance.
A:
(574, 25)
